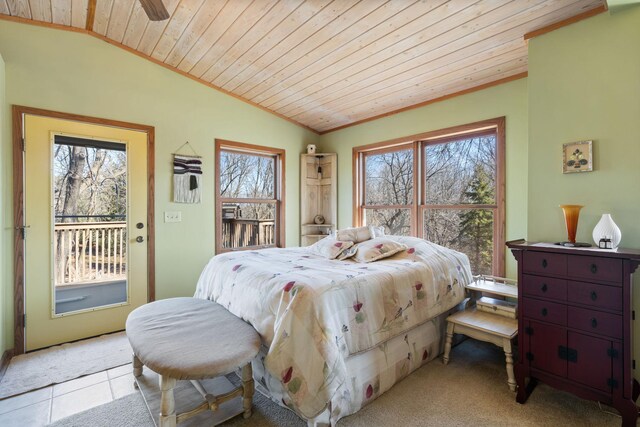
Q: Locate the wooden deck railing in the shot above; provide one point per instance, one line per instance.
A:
(90, 252)
(240, 233)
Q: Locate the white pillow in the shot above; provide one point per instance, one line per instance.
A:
(378, 248)
(330, 247)
(356, 235)
(376, 231)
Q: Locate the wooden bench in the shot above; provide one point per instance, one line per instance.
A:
(484, 326)
(192, 339)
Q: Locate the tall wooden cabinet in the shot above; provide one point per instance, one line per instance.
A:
(318, 196)
(575, 323)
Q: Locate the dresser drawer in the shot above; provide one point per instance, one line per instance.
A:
(601, 296)
(597, 322)
(546, 287)
(595, 268)
(545, 263)
(547, 311)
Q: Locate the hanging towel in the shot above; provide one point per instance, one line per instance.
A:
(187, 172)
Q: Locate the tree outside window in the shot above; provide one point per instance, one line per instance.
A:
(248, 196)
(458, 202)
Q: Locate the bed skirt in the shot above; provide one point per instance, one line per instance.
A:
(369, 373)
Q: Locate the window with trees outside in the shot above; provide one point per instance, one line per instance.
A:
(249, 196)
(446, 187)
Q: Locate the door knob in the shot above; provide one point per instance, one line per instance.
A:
(139, 239)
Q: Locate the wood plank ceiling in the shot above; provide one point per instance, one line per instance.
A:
(324, 64)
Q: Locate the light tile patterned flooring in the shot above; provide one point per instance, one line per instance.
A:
(49, 404)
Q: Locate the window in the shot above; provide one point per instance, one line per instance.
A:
(249, 196)
(446, 187)
(388, 189)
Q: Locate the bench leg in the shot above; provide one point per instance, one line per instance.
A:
(447, 343)
(167, 402)
(247, 389)
(137, 370)
(511, 378)
(137, 366)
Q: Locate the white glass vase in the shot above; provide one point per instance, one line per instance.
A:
(606, 227)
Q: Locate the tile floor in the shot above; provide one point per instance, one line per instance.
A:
(41, 407)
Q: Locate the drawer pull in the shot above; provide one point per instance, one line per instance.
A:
(594, 322)
(544, 263)
(594, 268)
(544, 311)
(544, 287)
(594, 296)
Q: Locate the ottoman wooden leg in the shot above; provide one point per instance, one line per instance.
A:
(137, 366)
(247, 389)
(137, 370)
(167, 402)
(511, 378)
(447, 343)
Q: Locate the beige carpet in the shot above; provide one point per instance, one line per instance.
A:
(471, 390)
(64, 362)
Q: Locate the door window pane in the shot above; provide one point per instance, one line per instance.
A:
(466, 230)
(461, 172)
(394, 221)
(389, 178)
(90, 224)
(246, 176)
(248, 224)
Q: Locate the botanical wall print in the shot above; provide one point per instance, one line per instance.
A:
(577, 157)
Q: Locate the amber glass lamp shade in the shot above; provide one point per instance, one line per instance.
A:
(571, 215)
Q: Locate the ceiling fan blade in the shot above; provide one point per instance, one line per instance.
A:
(155, 10)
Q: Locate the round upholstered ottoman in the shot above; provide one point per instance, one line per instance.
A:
(192, 339)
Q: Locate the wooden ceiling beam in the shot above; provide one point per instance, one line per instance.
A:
(91, 14)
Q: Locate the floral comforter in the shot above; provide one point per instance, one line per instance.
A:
(312, 313)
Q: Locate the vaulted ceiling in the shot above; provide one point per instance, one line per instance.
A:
(321, 63)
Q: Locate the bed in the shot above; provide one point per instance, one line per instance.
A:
(337, 334)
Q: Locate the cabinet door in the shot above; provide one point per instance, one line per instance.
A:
(545, 343)
(593, 362)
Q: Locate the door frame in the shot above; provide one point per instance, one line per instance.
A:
(19, 113)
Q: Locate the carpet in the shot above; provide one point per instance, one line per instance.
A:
(130, 411)
(64, 362)
(471, 390)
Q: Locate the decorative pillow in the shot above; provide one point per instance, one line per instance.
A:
(356, 235)
(348, 253)
(378, 248)
(330, 247)
(376, 231)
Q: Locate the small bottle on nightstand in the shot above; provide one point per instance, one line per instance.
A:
(607, 242)
(602, 244)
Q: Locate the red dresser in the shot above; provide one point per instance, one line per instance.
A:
(576, 323)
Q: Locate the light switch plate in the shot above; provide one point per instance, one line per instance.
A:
(175, 216)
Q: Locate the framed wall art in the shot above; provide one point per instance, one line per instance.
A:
(577, 157)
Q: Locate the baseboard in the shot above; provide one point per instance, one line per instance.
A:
(4, 362)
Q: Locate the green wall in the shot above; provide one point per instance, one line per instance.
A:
(70, 72)
(584, 84)
(509, 100)
(5, 241)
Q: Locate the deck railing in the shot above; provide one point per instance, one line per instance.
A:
(90, 252)
(240, 233)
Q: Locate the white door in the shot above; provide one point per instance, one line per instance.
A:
(85, 243)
